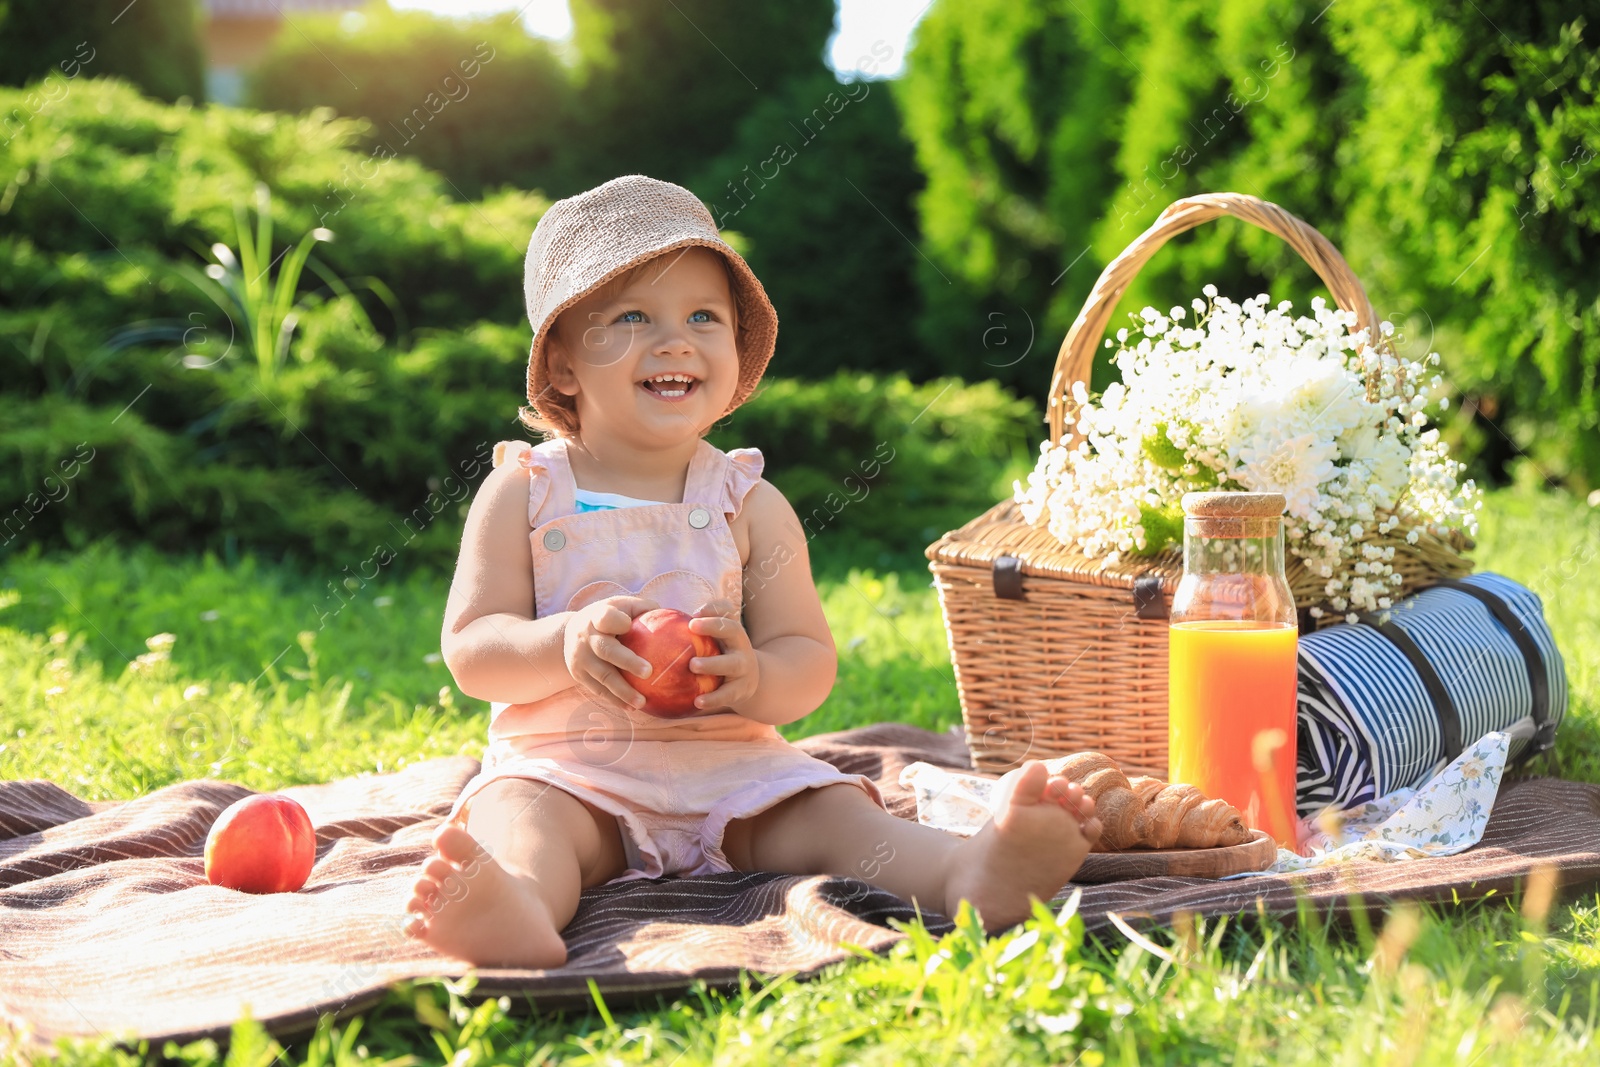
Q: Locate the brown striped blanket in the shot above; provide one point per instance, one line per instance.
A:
(108, 927)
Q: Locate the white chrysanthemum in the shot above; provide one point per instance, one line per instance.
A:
(1324, 394)
(1294, 467)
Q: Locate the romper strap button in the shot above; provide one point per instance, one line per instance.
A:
(555, 540)
(699, 518)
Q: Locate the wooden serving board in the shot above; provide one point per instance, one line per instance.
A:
(1256, 854)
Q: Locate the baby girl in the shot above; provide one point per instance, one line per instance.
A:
(648, 328)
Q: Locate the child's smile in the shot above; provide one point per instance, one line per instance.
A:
(671, 387)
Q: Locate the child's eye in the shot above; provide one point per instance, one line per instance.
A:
(624, 316)
(707, 315)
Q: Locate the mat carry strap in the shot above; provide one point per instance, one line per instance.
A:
(1538, 681)
(1443, 706)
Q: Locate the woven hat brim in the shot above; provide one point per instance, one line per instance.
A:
(756, 339)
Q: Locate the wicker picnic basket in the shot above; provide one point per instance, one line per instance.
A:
(1055, 652)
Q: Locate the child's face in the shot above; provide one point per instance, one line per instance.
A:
(675, 319)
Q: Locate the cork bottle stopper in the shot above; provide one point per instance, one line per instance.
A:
(1218, 514)
(1223, 505)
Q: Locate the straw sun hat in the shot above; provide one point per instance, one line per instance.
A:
(585, 240)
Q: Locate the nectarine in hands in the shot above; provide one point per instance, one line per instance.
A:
(663, 638)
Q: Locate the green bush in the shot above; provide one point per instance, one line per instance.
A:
(876, 468)
(133, 404)
(123, 350)
(70, 473)
(113, 175)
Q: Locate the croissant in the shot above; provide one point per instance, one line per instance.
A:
(1146, 812)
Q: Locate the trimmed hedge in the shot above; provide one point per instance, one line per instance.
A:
(131, 406)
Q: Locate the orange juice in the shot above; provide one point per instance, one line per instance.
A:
(1230, 705)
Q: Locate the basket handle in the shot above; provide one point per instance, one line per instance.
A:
(1077, 353)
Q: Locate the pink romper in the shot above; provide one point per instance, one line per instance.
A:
(672, 784)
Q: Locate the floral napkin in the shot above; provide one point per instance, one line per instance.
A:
(1443, 816)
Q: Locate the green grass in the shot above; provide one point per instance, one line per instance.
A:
(267, 684)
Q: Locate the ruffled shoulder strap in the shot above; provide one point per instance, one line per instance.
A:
(742, 472)
(548, 476)
(722, 479)
(510, 450)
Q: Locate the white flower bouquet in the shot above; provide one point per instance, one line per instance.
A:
(1243, 396)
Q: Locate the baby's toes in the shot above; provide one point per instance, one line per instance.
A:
(430, 884)
(438, 883)
(1060, 790)
(439, 872)
(1068, 795)
(454, 843)
(1080, 802)
(425, 899)
(1027, 784)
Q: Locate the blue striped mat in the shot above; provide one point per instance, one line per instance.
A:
(1366, 724)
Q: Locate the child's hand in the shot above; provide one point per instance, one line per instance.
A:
(595, 657)
(737, 666)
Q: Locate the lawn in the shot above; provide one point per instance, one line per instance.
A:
(275, 677)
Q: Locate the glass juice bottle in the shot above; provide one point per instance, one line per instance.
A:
(1231, 666)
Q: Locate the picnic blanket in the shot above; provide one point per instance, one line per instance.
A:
(108, 927)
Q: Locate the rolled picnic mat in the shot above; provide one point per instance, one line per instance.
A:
(1387, 702)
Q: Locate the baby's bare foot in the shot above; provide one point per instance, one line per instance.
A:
(1042, 829)
(471, 908)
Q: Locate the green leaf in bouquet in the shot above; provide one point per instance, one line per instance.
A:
(1203, 479)
(1162, 527)
(1162, 452)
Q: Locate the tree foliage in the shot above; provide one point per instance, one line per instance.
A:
(153, 44)
(479, 101)
(819, 181)
(1449, 151)
(643, 87)
(733, 101)
(1485, 126)
(1012, 108)
(662, 87)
